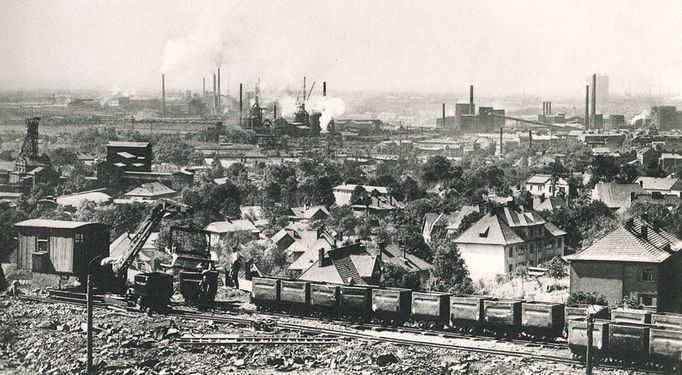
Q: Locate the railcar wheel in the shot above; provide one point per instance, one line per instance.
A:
(421, 324)
(431, 326)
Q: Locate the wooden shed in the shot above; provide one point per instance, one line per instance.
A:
(60, 247)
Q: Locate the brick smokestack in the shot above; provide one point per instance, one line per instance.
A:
(214, 94)
(274, 112)
(163, 95)
(203, 85)
(549, 105)
(218, 97)
(241, 101)
(471, 100)
(324, 88)
(443, 124)
(501, 143)
(587, 107)
(593, 111)
(544, 108)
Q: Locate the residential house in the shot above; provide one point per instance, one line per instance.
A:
(635, 260)
(542, 184)
(648, 155)
(220, 229)
(342, 193)
(349, 265)
(506, 238)
(452, 220)
(397, 256)
(616, 196)
(302, 244)
(150, 191)
(550, 204)
(670, 162)
(308, 214)
(663, 185)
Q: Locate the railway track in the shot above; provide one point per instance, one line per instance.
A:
(208, 339)
(231, 318)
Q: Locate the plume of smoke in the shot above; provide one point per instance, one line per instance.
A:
(642, 116)
(329, 107)
(205, 42)
(287, 105)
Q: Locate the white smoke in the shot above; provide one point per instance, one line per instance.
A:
(204, 43)
(642, 116)
(329, 107)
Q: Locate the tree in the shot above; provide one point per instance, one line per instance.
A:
(557, 268)
(435, 169)
(226, 199)
(627, 173)
(217, 169)
(359, 196)
(8, 232)
(450, 274)
(61, 156)
(586, 298)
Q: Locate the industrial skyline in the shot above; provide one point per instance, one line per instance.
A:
(504, 48)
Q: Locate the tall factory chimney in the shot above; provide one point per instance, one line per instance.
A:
(274, 112)
(304, 90)
(203, 85)
(593, 111)
(214, 94)
(471, 100)
(530, 140)
(443, 124)
(218, 97)
(241, 101)
(549, 108)
(324, 88)
(163, 95)
(544, 108)
(587, 107)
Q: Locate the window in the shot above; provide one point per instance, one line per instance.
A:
(648, 300)
(79, 238)
(647, 274)
(511, 268)
(511, 251)
(43, 245)
(558, 242)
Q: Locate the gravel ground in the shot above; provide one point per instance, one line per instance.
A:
(40, 338)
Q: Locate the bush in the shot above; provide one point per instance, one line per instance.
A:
(587, 298)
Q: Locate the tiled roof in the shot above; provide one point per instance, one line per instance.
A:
(392, 254)
(346, 264)
(75, 200)
(501, 227)
(662, 183)
(628, 245)
(616, 195)
(548, 203)
(538, 179)
(308, 212)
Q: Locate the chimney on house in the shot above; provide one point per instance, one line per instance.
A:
(645, 231)
(633, 196)
(628, 224)
(320, 256)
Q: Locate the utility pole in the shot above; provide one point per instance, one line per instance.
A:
(90, 369)
(588, 351)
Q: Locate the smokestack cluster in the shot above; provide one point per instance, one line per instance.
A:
(593, 110)
(546, 108)
(163, 95)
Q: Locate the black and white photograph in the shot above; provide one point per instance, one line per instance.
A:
(340, 187)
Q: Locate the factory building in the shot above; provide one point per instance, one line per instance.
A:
(665, 117)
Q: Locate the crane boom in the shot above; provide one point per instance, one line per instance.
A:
(311, 91)
(165, 208)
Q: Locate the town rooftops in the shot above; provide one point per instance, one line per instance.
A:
(542, 179)
(308, 212)
(629, 243)
(53, 224)
(659, 183)
(128, 144)
(75, 200)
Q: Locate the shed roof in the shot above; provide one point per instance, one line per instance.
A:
(56, 224)
(659, 183)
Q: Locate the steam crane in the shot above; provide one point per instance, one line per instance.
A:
(150, 289)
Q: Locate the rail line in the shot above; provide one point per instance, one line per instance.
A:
(243, 321)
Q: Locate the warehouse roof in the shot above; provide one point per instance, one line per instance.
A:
(662, 183)
(616, 195)
(127, 144)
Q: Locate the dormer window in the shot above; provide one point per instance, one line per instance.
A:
(484, 233)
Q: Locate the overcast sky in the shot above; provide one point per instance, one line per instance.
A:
(503, 47)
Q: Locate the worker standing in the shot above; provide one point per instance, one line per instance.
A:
(204, 291)
(234, 270)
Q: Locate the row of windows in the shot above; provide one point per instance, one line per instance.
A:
(43, 242)
(533, 246)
